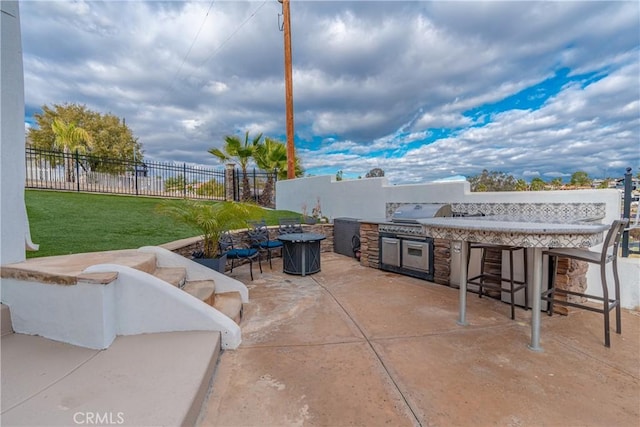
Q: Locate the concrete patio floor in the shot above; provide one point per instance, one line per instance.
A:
(352, 345)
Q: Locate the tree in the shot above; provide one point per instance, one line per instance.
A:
(298, 172)
(211, 219)
(492, 181)
(282, 161)
(110, 136)
(537, 184)
(68, 138)
(521, 185)
(556, 183)
(177, 183)
(241, 152)
(580, 179)
(605, 183)
(271, 157)
(211, 188)
(374, 173)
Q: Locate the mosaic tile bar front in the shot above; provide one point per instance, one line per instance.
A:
(554, 212)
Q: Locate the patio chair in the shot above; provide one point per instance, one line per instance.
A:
(608, 254)
(235, 250)
(259, 237)
(492, 280)
(289, 225)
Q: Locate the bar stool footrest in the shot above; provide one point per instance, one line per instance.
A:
(546, 296)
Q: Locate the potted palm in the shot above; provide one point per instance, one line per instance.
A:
(211, 219)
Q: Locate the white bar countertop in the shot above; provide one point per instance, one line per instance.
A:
(508, 230)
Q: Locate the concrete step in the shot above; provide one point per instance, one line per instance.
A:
(230, 304)
(174, 275)
(5, 320)
(69, 269)
(137, 381)
(204, 290)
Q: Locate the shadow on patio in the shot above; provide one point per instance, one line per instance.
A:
(357, 346)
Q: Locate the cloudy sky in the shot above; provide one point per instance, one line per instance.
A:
(424, 90)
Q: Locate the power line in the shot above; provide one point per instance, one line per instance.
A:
(192, 44)
(233, 33)
(171, 86)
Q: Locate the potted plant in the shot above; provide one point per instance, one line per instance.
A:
(211, 219)
(305, 215)
(316, 213)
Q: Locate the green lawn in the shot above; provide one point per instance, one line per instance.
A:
(66, 223)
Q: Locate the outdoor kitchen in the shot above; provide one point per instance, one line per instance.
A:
(400, 244)
(368, 206)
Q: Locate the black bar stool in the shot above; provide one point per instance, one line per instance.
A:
(609, 254)
(491, 280)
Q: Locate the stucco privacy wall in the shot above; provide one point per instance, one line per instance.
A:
(13, 215)
(367, 199)
(361, 198)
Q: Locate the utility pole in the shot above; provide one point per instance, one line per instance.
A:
(288, 85)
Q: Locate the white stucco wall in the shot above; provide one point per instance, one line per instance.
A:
(367, 198)
(82, 314)
(13, 223)
(92, 315)
(629, 273)
(360, 198)
(144, 304)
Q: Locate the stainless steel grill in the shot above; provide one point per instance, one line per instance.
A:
(405, 250)
(411, 213)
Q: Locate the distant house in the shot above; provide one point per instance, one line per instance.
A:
(635, 183)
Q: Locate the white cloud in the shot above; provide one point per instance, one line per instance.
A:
(369, 77)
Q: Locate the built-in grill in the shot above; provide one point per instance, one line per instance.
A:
(411, 213)
(403, 246)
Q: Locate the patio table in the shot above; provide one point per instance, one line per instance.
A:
(526, 232)
(301, 252)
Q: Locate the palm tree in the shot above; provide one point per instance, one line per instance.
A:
(537, 184)
(235, 150)
(556, 183)
(70, 138)
(211, 219)
(299, 170)
(270, 156)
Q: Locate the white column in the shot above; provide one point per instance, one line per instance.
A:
(15, 236)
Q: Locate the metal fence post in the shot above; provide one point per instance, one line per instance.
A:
(77, 156)
(255, 187)
(135, 171)
(626, 211)
(184, 175)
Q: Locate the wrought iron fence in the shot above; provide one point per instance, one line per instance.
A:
(259, 187)
(630, 243)
(56, 170)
